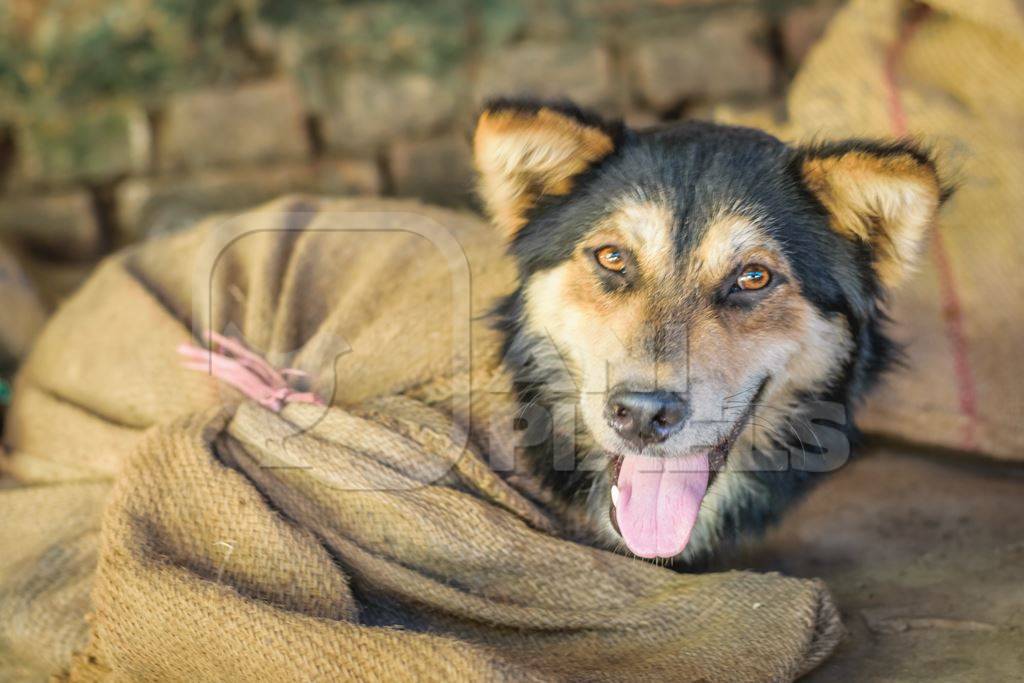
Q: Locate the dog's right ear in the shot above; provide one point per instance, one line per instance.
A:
(524, 151)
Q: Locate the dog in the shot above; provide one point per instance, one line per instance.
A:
(699, 309)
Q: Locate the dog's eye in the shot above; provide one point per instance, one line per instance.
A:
(611, 258)
(753, 277)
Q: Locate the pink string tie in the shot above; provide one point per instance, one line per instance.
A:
(246, 371)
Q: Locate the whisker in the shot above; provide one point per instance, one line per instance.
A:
(739, 393)
(811, 429)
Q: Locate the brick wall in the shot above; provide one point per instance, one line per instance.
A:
(128, 117)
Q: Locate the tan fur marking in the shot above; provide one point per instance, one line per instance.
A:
(886, 202)
(647, 229)
(726, 238)
(522, 155)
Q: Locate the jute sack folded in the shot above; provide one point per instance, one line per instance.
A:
(951, 74)
(22, 313)
(371, 539)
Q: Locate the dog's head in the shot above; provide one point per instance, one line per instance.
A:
(688, 274)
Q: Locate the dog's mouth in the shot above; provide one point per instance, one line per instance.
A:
(655, 501)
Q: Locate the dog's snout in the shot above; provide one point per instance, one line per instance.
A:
(645, 417)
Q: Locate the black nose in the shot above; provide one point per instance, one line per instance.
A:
(645, 417)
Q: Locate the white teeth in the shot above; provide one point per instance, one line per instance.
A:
(615, 495)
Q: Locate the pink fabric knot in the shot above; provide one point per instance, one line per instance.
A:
(246, 371)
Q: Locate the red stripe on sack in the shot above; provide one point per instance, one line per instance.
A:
(952, 311)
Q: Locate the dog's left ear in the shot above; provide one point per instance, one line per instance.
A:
(885, 196)
(526, 150)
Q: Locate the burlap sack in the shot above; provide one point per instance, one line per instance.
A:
(22, 312)
(366, 540)
(950, 73)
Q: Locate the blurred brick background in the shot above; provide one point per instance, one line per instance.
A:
(122, 118)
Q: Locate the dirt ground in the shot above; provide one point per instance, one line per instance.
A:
(924, 554)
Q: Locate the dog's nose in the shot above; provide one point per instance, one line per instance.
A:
(645, 417)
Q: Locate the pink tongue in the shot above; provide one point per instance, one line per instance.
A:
(658, 502)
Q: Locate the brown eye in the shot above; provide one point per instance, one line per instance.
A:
(753, 277)
(611, 258)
